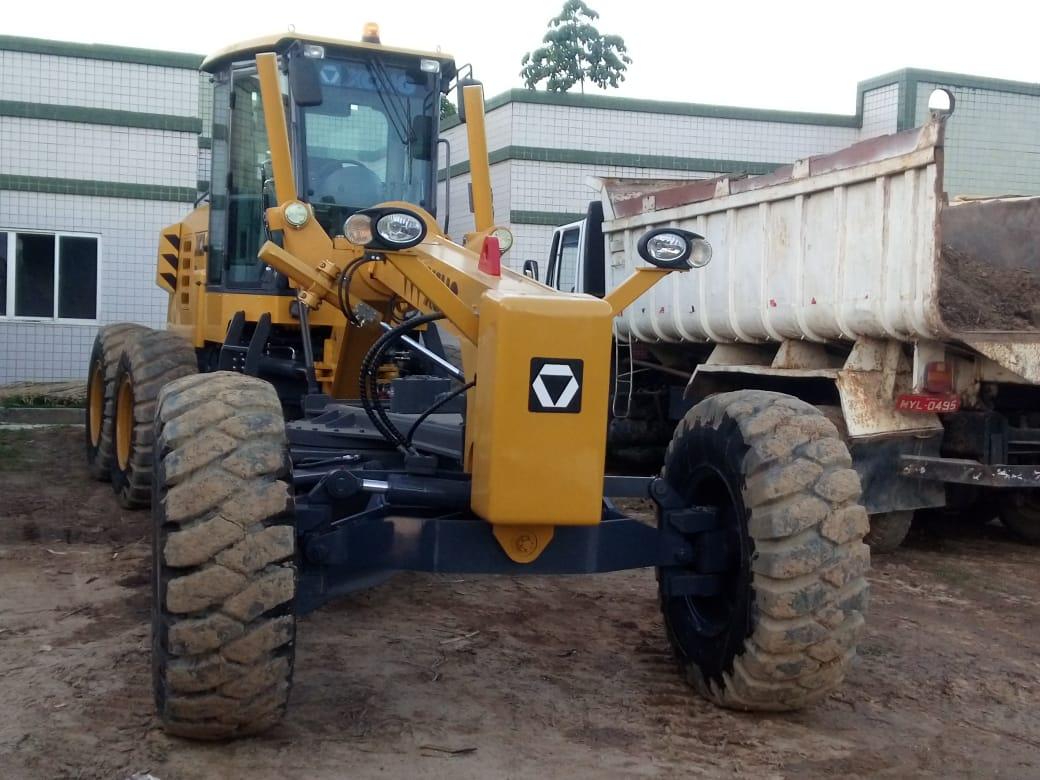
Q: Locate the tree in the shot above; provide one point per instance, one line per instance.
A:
(574, 52)
(447, 108)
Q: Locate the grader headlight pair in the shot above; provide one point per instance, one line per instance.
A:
(384, 229)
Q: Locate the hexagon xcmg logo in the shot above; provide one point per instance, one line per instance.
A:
(555, 385)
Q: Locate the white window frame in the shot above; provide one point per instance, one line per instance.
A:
(57, 235)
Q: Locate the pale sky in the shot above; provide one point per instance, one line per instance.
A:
(795, 55)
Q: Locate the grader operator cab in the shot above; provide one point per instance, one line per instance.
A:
(293, 427)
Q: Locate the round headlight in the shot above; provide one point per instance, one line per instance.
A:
(297, 214)
(700, 253)
(400, 229)
(666, 247)
(505, 239)
(358, 229)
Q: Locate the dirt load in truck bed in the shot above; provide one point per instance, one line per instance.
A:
(989, 268)
(458, 676)
(974, 294)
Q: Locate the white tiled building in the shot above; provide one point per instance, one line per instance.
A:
(99, 148)
(543, 147)
(102, 146)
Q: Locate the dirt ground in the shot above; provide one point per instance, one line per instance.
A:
(480, 677)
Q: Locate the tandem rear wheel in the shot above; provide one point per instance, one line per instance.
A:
(147, 362)
(109, 345)
(781, 631)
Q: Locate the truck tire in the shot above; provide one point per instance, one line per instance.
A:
(888, 530)
(109, 344)
(781, 631)
(224, 558)
(150, 360)
(1020, 514)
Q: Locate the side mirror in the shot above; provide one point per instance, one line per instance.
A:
(422, 138)
(531, 269)
(304, 83)
(459, 102)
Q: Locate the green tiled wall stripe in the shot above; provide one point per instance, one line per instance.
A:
(103, 189)
(905, 78)
(906, 118)
(612, 103)
(99, 116)
(205, 142)
(96, 51)
(550, 218)
(973, 82)
(202, 185)
(652, 161)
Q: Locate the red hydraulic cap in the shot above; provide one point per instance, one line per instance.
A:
(490, 257)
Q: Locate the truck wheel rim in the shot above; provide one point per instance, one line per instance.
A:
(712, 616)
(124, 423)
(96, 407)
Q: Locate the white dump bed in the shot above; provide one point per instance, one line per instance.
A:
(852, 244)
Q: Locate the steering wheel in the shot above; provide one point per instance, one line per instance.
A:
(346, 183)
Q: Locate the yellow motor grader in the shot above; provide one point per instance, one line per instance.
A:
(300, 432)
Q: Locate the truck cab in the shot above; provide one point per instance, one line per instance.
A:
(576, 256)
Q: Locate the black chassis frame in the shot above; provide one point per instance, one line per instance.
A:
(359, 519)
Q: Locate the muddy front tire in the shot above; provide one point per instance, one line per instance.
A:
(109, 344)
(780, 628)
(224, 555)
(151, 359)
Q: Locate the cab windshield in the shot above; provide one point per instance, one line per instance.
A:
(369, 140)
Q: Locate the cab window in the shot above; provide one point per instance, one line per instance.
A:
(563, 268)
(242, 183)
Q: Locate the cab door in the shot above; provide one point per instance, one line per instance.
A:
(565, 261)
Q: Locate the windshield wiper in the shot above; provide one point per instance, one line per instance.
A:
(396, 113)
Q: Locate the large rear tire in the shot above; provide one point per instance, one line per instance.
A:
(888, 530)
(151, 359)
(109, 345)
(782, 630)
(1020, 514)
(224, 555)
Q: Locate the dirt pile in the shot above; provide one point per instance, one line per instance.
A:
(975, 294)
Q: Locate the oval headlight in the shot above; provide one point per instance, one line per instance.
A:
(400, 229)
(358, 229)
(667, 247)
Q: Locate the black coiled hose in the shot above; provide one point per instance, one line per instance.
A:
(368, 380)
(345, 279)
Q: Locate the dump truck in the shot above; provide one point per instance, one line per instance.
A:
(296, 428)
(855, 283)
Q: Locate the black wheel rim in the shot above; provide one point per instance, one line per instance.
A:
(711, 616)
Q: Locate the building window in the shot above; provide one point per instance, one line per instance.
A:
(48, 276)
